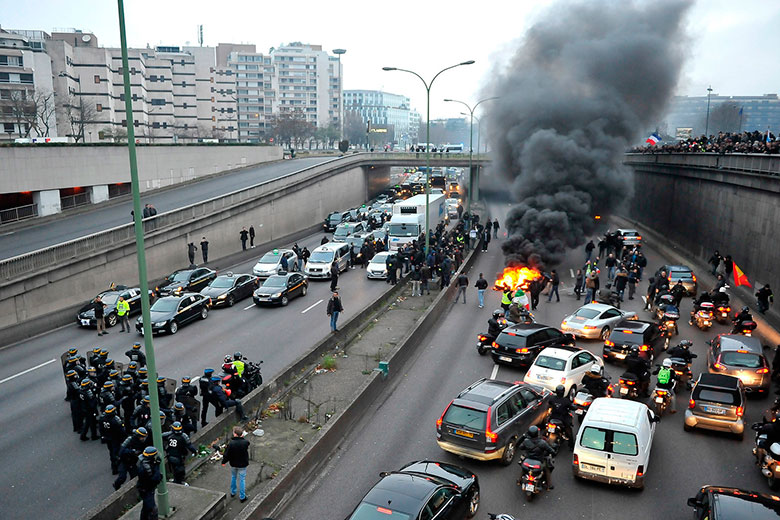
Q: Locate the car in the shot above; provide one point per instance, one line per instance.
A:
(594, 320)
(85, 316)
(229, 288)
(171, 312)
(356, 242)
(742, 357)
(519, 344)
(629, 237)
(318, 265)
(675, 273)
(377, 267)
(562, 366)
(487, 419)
(614, 442)
(452, 207)
(280, 289)
(717, 403)
(728, 503)
(644, 334)
(186, 280)
(271, 262)
(346, 229)
(334, 219)
(423, 489)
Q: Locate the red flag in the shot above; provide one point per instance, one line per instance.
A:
(739, 277)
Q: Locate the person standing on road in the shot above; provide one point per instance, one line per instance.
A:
(485, 238)
(123, 313)
(579, 283)
(176, 444)
(633, 279)
(425, 277)
(555, 280)
(149, 477)
(481, 285)
(237, 455)
(305, 254)
(191, 252)
(98, 308)
(205, 393)
(204, 250)
(764, 298)
(715, 261)
(590, 286)
(74, 389)
(460, 211)
(112, 433)
(611, 264)
(495, 228)
(463, 283)
(728, 266)
(334, 275)
(589, 247)
(392, 270)
(333, 310)
(252, 237)
(244, 236)
(416, 278)
(89, 411)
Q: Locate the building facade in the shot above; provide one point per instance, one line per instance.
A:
(384, 108)
(760, 113)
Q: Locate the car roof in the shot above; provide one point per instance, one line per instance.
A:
(627, 230)
(402, 491)
(485, 391)
(677, 268)
(283, 274)
(596, 306)
(718, 381)
(606, 411)
(330, 246)
(633, 325)
(735, 503)
(525, 329)
(562, 352)
(732, 342)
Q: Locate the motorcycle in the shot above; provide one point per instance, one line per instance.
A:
(745, 328)
(704, 316)
(722, 313)
(662, 302)
(668, 324)
(583, 400)
(682, 370)
(630, 386)
(485, 340)
(555, 434)
(237, 387)
(662, 399)
(532, 480)
(768, 461)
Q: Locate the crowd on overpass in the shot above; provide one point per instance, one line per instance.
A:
(722, 143)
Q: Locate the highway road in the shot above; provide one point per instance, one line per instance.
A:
(44, 458)
(400, 428)
(70, 227)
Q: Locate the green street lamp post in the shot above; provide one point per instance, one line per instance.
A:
(428, 86)
(154, 402)
(473, 179)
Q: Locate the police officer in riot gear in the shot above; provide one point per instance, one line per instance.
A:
(176, 444)
(185, 395)
(107, 395)
(74, 389)
(89, 410)
(205, 391)
(537, 448)
(137, 355)
(149, 477)
(561, 408)
(129, 451)
(112, 433)
(182, 415)
(142, 413)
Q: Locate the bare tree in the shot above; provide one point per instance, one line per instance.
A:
(78, 113)
(115, 133)
(42, 113)
(354, 127)
(291, 128)
(23, 111)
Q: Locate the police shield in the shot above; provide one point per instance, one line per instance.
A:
(192, 405)
(170, 387)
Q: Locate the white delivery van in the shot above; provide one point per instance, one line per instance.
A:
(408, 220)
(322, 257)
(614, 441)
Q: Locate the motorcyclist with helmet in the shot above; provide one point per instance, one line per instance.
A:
(720, 297)
(640, 368)
(740, 319)
(238, 364)
(667, 379)
(537, 448)
(596, 384)
(561, 408)
(683, 351)
(494, 326)
(703, 297)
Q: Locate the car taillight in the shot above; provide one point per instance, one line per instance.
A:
(661, 392)
(764, 370)
(740, 411)
(609, 343)
(644, 348)
(521, 350)
(589, 327)
(494, 344)
(691, 404)
(440, 420)
(718, 365)
(640, 471)
(490, 436)
(575, 460)
(694, 277)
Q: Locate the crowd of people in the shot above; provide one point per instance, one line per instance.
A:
(722, 143)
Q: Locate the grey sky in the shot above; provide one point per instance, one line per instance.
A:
(732, 42)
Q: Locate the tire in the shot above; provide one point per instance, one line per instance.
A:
(473, 503)
(773, 483)
(481, 349)
(572, 392)
(667, 340)
(204, 313)
(509, 452)
(111, 320)
(231, 301)
(605, 333)
(304, 290)
(687, 428)
(285, 301)
(529, 496)
(173, 327)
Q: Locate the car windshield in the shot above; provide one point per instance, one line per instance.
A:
(275, 281)
(622, 337)
(366, 511)
(510, 340)
(343, 231)
(676, 275)
(552, 363)
(336, 217)
(741, 360)
(588, 314)
(403, 230)
(321, 256)
(270, 258)
(109, 299)
(181, 276)
(222, 282)
(463, 417)
(715, 396)
(165, 305)
(380, 258)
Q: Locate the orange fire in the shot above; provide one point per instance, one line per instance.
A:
(515, 277)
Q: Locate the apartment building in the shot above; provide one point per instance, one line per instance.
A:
(385, 108)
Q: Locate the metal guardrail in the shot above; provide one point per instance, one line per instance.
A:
(78, 199)
(18, 213)
(761, 164)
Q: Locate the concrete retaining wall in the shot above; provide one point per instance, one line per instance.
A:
(37, 168)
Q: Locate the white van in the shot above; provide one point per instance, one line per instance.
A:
(614, 441)
(318, 265)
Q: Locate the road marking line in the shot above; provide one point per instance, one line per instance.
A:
(249, 307)
(26, 371)
(571, 271)
(310, 307)
(494, 373)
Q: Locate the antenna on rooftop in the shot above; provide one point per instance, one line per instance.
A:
(200, 35)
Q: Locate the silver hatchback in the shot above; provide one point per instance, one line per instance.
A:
(742, 357)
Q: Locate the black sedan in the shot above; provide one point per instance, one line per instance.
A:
(86, 315)
(229, 288)
(186, 280)
(171, 312)
(281, 288)
(423, 489)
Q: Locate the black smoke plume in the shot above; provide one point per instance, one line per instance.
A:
(587, 80)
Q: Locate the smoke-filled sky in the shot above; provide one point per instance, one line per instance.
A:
(585, 79)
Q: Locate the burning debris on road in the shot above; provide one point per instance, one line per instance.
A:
(516, 278)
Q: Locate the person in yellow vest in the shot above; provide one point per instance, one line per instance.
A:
(238, 364)
(506, 299)
(123, 313)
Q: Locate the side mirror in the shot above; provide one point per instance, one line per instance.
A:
(692, 502)
(708, 342)
(655, 419)
(383, 474)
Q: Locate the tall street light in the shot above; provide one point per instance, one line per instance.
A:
(707, 125)
(473, 186)
(154, 402)
(479, 130)
(428, 86)
(338, 53)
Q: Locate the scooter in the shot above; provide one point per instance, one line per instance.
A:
(532, 480)
(682, 370)
(745, 328)
(555, 434)
(704, 316)
(722, 313)
(662, 399)
(630, 386)
(583, 400)
(485, 340)
(768, 461)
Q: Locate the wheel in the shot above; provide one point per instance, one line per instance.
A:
(303, 290)
(666, 343)
(173, 327)
(230, 301)
(605, 333)
(740, 436)
(473, 503)
(111, 320)
(481, 349)
(204, 313)
(773, 483)
(285, 301)
(529, 496)
(509, 452)
(572, 392)
(687, 428)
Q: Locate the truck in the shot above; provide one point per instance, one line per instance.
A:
(408, 220)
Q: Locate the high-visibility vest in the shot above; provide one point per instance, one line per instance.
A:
(122, 308)
(505, 299)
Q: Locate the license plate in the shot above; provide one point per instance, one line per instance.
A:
(579, 411)
(464, 434)
(551, 428)
(659, 400)
(623, 390)
(504, 358)
(620, 356)
(529, 487)
(592, 468)
(543, 378)
(715, 410)
(85, 322)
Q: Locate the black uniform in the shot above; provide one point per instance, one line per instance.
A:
(112, 433)
(128, 458)
(74, 389)
(141, 415)
(494, 328)
(205, 391)
(106, 398)
(538, 449)
(595, 385)
(188, 423)
(561, 408)
(137, 356)
(125, 395)
(221, 398)
(176, 445)
(149, 477)
(186, 394)
(89, 411)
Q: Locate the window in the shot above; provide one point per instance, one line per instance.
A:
(582, 358)
(98, 107)
(528, 395)
(621, 443)
(156, 124)
(153, 78)
(594, 439)
(507, 411)
(97, 78)
(465, 417)
(158, 102)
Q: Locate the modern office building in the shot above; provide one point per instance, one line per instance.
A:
(384, 108)
(758, 113)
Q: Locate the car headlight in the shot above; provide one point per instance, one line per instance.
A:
(221, 296)
(160, 324)
(177, 290)
(277, 295)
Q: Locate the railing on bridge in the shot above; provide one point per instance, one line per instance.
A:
(749, 163)
(77, 199)
(18, 213)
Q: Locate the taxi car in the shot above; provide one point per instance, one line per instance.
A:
(229, 288)
(132, 295)
(185, 280)
(271, 262)
(170, 312)
(279, 289)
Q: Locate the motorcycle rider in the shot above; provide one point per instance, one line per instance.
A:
(538, 449)
(666, 381)
(238, 364)
(682, 351)
(494, 327)
(596, 384)
(561, 408)
(640, 368)
(703, 297)
(740, 319)
(513, 314)
(720, 297)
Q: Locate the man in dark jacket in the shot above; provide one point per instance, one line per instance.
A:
(463, 284)
(221, 398)
(764, 298)
(237, 454)
(191, 252)
(149, 477)
(555, 280)
(112, 433)
(204, 250)
(334, 275)
(176, 444)
(333, 310)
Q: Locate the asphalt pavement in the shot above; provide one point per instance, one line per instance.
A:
(400, 427)
(44, 459)
(76, 225)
